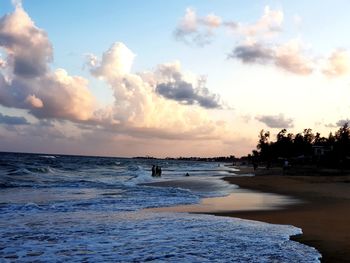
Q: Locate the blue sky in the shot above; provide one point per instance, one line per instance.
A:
(282, 64)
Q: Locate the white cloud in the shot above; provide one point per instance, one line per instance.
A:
(211, 21)
(268, 25)
(116, 61)
(291, 57)
(137, 106)
(197, 30)
(338, 64)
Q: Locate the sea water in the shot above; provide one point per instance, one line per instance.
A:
(56, 208)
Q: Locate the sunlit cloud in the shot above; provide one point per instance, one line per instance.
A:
(144, 103)
(267, 26)
(200, 30)
(34, 101)
(257, 43)
(197, 30)
(29, 82)
(289, 56)
(2, 63)
(338, 64)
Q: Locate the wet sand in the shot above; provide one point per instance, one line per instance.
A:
(324, 216)
(238, 200)
(319, 205)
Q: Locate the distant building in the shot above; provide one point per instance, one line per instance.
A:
(319, 150)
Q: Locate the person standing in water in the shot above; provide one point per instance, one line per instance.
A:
(158, 171)
(153, 170)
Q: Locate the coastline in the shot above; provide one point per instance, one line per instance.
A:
(318, 204)
(324, 215)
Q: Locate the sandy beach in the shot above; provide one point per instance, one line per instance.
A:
(324, 215)
(318, 204)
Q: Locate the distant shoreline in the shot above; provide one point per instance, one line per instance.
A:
(324, 216)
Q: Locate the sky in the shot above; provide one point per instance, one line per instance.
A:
(169, 78)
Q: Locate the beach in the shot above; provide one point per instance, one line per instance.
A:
(81, 208)
(324, 215)
(317, 204)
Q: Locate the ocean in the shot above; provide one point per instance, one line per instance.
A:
(56, 208)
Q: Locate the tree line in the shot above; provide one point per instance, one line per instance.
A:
(305, 148)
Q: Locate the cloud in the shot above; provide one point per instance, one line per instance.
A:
(173, 86)
(17, 3)
(338, 64)
(2, 63)
(29, 82)
(289, 56)
(342, 122)
(255, 45)
(197, 30)
(253, 53)
(268, 25)
(34, 101)
(148, 102)
(339, 123)
(276, 121)
(211, 21)
(185, 93)
(12, 120)
(27, 46)
(116, 61)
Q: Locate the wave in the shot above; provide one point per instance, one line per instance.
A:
(139, 176)
(48, 156)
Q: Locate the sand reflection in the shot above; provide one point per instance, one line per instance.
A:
(240, 200)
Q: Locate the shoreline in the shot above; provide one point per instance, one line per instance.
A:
(320, 206)
(324, 215)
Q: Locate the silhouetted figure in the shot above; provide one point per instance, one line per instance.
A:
(187, 174)
(158, 171)
(153, 170)
(255, 164)
(268, 164)
(285, 166)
